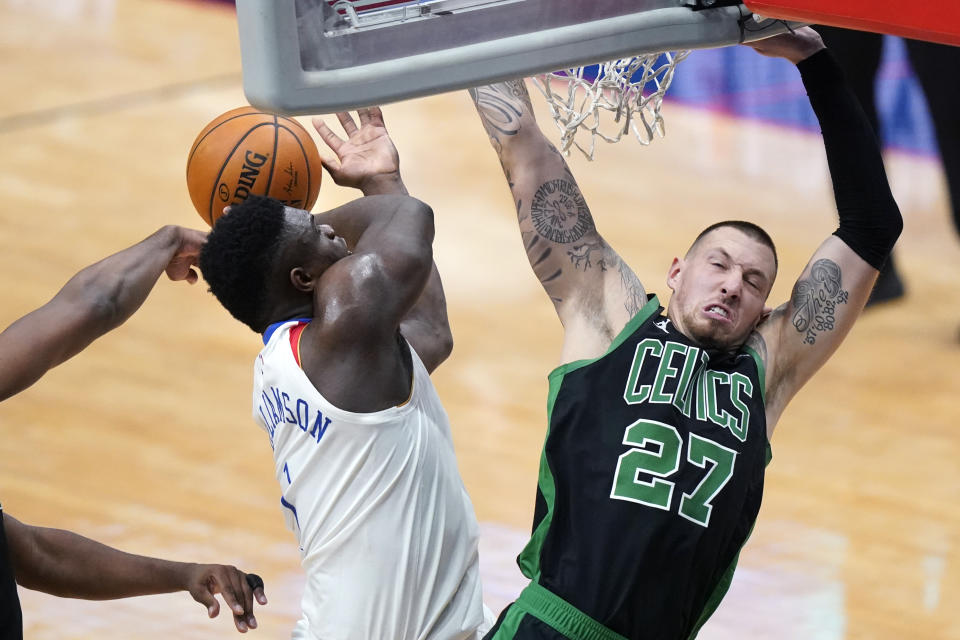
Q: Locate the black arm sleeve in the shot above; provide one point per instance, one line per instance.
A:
(870, 221)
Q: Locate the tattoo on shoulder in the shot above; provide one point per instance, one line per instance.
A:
(581, 255)
(815, 300)
(501, 106)
(559, 213)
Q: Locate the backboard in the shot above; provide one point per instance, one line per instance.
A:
(932, 20)
(320, 56)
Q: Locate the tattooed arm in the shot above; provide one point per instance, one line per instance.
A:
(832, 290)
(594, 292)
(801, 335)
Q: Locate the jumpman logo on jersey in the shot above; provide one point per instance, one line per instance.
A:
(662, 325)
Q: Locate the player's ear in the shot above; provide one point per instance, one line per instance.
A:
(301, 280)
(673, 273)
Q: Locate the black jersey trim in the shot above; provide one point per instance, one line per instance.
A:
(652, 306)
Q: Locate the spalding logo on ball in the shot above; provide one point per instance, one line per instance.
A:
(246, 151)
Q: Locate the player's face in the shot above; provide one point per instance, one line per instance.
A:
(720, 288)
(320, 241)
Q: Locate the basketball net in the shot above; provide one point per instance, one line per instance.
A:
(630, 89)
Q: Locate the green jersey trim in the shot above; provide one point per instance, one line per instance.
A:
(762, 376)
(553, 610)
(529, 558)
(511, 623)
(761, 371)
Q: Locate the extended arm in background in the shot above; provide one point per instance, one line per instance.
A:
(593, 291)
(368, 160)
(829, 295)
(68, 565)
(96, 300)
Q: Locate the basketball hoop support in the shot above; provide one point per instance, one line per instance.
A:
(285, 55)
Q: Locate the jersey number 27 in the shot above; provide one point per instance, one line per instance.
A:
(664, 461)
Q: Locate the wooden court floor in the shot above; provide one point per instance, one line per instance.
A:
(145, 441)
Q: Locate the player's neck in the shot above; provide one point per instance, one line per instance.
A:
(290, 311)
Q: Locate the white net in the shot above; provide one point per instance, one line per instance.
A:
(625, 95)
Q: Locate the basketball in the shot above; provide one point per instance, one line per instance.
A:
(247, 151)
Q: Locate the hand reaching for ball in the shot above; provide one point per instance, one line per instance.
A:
(367, 159)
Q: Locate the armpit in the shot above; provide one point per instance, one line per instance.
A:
(756, 342)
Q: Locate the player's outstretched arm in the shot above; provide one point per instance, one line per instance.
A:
(68, 565)
(93, 302)
(594, 292)
(832, 290)
(368, 160)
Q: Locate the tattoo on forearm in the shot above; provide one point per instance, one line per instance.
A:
(559, 212)
(501, 106)
(566, 168)
(815, 300)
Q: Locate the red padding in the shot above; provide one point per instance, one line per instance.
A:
(933, 20)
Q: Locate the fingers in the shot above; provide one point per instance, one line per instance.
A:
(332, 166)
(233, 585)
(367, 116)
(191, 240)
(236, 593)
(247, 590)
(256, 583)
(244, 586)
(370, 115)
(331, 139)
(346, 121)
(204, 596)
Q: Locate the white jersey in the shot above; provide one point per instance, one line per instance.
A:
(387, 533)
